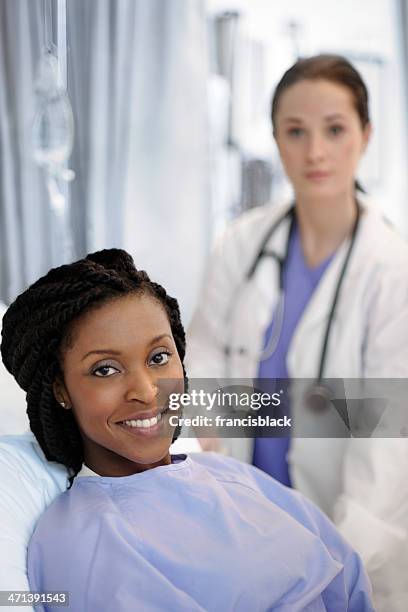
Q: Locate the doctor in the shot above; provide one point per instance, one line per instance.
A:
(318, 288)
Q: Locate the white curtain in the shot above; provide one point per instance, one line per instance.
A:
(136, 80)
(168, 208)
(138, 75)
(101, 39)
(25, 248)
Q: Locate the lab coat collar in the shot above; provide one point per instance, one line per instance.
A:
(278, 240)
(322, 299)
(266, 293)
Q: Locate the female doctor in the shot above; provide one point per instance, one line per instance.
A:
(318, 289)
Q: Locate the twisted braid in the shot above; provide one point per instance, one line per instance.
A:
(38, 325)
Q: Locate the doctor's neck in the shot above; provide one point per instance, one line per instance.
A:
(324, 224)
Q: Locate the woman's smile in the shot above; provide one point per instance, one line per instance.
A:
(144, 424)
(147, 427)
(118, 394)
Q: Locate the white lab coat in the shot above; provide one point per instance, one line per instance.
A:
(360, 483)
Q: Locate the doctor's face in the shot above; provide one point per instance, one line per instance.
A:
(112, 368)
(320, 138)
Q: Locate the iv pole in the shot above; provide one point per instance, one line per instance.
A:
(53, 130)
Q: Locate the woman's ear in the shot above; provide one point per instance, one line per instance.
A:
(61, 394)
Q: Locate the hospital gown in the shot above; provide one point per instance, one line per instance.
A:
(204, 533)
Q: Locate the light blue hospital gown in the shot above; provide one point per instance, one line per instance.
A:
(205, 533)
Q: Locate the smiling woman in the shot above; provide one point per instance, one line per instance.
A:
(92, 344)
(114, 391)
(99, 338)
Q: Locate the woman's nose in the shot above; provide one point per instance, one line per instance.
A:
(315, 148)
(142, 388)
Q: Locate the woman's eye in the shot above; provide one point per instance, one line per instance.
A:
(104, 371)
(295, 132)
(335, 130)
(160, 358)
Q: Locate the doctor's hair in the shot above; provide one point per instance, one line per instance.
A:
(38, 327)
(327, 67)
(333, 68)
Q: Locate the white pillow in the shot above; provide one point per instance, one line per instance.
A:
(28, 484)
(13, 418)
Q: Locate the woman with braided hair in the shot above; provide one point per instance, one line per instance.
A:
(138, 529)
(39, 326)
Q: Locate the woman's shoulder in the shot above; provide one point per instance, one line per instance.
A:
(241, 238)
(73, 516)
(227, 469)
(237, 474)
(256, 220)
(267, 213)
(383, 243)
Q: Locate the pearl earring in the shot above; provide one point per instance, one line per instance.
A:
(62, 404)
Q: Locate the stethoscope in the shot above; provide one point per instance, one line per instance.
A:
(318, 394)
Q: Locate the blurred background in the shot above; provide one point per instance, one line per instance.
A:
(144, 124)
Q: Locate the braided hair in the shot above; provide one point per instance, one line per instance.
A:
(37, 327)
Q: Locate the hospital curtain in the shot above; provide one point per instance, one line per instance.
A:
(24, 214)
(128, 63)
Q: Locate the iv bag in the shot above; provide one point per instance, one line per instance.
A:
(53, 125)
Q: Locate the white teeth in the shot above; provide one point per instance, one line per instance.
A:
(145, 423)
